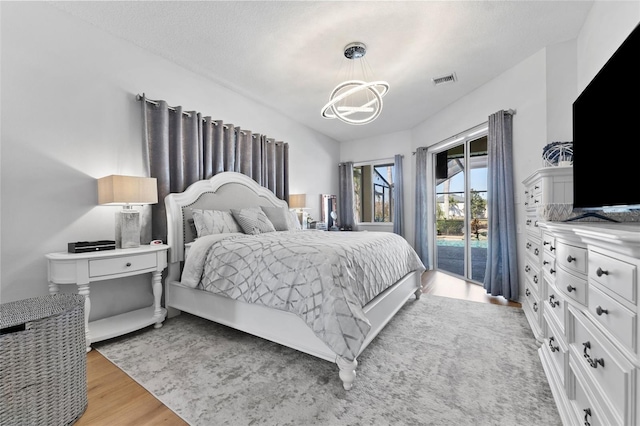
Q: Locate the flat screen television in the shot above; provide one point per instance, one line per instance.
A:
(606, 135)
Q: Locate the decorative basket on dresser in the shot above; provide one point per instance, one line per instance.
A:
(591, 353)
(548, 186)
(43, 361)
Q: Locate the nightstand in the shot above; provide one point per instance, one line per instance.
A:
(82, 269)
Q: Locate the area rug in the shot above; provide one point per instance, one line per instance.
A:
(439, 361)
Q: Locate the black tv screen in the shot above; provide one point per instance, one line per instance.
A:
(606, 134)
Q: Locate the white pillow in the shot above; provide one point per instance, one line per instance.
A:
(294, 222)
(253, 220)
(209, 222)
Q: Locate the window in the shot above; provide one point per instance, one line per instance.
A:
(373, 192)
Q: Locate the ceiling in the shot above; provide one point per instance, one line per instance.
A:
(287, 55)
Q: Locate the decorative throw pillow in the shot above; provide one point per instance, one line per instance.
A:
(294, 222)
(278, 216)
(209, 222)
(253, 220)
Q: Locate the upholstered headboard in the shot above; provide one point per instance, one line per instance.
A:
(224, 191)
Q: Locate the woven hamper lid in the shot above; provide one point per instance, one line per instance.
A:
(36, 308)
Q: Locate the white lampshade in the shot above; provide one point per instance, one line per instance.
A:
(123, 190)
(127, 191)
(298, 201)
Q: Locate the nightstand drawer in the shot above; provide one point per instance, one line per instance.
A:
(124, 264)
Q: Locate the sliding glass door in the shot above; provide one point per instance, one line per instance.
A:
(460, 168)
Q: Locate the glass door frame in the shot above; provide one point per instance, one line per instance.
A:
(462, 138)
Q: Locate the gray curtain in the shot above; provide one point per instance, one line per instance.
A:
(501, 275)
(346, 217)
(422, 206)
(398, 196)
(184, 147)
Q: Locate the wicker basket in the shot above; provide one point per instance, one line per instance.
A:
(43, 361)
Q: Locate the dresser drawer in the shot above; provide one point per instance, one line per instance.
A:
(556, 345)
(548, 243)
(603, 363)
(124, 264)
(583, 406)
(614, 274)
(556, 305)
(532, 303)
(549, 264)
(530, 269)
(614, 317)
(532, 226)
(572, 258)
(572, 286)
(532, 246)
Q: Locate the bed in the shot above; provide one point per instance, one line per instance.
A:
(327, 294)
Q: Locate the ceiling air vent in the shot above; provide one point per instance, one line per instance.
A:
(450, 78)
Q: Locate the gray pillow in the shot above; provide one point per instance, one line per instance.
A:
(278, 216)
(253, 220)
(209, 222)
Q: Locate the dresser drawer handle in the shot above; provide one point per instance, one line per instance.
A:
(601, 311)
(535, 307)
(535, 279)
(593, 362)
(570, 259)
(570, 288)
(552, 301)
(128, 264)
(553, 348)
(528, 245)
(587, 414)
(527, 268)
(600, 272)
(545, 243)
(536, 251)
(545, 262)
(527, 292)
(552, 271)
(552, 248)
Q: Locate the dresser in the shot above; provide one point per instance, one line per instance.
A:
(81, 269)
(590, 351)
(548, 185)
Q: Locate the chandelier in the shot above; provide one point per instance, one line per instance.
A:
(356, 101)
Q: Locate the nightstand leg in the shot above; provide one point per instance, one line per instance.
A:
(53, 288)
(83, 289)
(156, 283)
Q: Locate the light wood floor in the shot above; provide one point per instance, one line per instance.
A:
(116, 399)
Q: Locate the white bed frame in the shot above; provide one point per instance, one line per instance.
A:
(234, 190)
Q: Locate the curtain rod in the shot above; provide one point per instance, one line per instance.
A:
(510, 111)
(141, 97)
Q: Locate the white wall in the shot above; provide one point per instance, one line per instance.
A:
(605, 28)
(69, 116)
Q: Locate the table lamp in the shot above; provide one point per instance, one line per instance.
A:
(127, 191)
(298, 202)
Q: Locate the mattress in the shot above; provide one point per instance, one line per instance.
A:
(325, 278)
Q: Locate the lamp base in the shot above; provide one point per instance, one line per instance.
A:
(128, 228)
